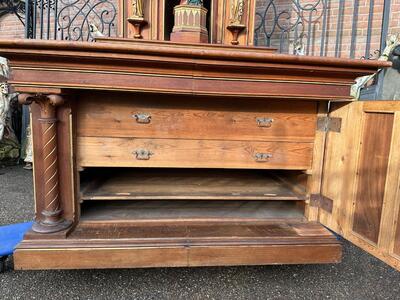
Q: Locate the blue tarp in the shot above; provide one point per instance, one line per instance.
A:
(11, 235)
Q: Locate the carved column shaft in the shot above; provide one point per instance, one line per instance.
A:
(51, 216)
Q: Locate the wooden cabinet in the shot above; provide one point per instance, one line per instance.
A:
(153, 154)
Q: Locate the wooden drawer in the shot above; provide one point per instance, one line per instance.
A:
(138, 152)
(191, 118)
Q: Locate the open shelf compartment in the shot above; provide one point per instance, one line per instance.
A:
(186, 184)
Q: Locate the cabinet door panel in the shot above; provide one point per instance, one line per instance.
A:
(361, 176)
(372, 174)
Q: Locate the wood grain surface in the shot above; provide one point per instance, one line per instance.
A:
(176, 212)
(120, 152)
(199, 118)
(373, 167)
(178, 184)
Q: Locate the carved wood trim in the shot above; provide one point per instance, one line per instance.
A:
(50, 219)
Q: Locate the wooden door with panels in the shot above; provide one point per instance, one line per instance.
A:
(360, 196)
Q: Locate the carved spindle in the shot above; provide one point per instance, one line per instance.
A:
(51, 216)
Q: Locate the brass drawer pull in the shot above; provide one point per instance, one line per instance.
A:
(143, 154)
(262, 157)
(142, 118)
(264, 122)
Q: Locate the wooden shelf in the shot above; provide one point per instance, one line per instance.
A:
(189, 211)
(181, 184)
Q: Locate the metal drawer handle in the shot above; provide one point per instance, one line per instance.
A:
(264, 122)
(143, 154)
(262, 157)
(142, 118)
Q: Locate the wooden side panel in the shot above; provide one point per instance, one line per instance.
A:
(372, 168)
(361, 175)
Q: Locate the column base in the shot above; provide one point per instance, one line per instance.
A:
(41, 227)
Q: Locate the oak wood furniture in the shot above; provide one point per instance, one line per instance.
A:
(151, 154)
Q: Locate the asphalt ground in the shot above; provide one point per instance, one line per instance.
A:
(359, 276)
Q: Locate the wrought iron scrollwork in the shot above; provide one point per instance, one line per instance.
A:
(75, 17)
(16, 7)
(281, 25)
(70, 19)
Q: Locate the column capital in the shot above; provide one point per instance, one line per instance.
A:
(52, 99)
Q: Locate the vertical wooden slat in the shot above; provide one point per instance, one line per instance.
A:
(314, 182)
(372, 171)
(340, 163)
(396, 248)
(391, 199)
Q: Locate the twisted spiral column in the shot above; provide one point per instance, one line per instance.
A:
(51, 216)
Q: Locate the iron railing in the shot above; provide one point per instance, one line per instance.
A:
(76, 20)
(340, 28)
(321, 27)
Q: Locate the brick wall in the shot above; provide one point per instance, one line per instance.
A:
(11, 27)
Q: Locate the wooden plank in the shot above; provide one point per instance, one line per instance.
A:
(182, 211)
(314, 182)
(194, 232)
(261, 255)
(183, 117)
(396, 246)
(185, 184)
(340, 165)
(102, 258)
(373, 167)
(120, 152)
(391, 199)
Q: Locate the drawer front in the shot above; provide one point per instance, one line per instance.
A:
(138, 152)
(197, 119)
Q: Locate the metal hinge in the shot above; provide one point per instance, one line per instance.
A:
(329, 124)
(318, 200)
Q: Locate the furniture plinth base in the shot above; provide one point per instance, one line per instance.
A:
(41, 227)
(97, 244)
(138, 257)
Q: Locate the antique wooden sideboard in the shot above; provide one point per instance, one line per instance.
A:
(150, 154)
